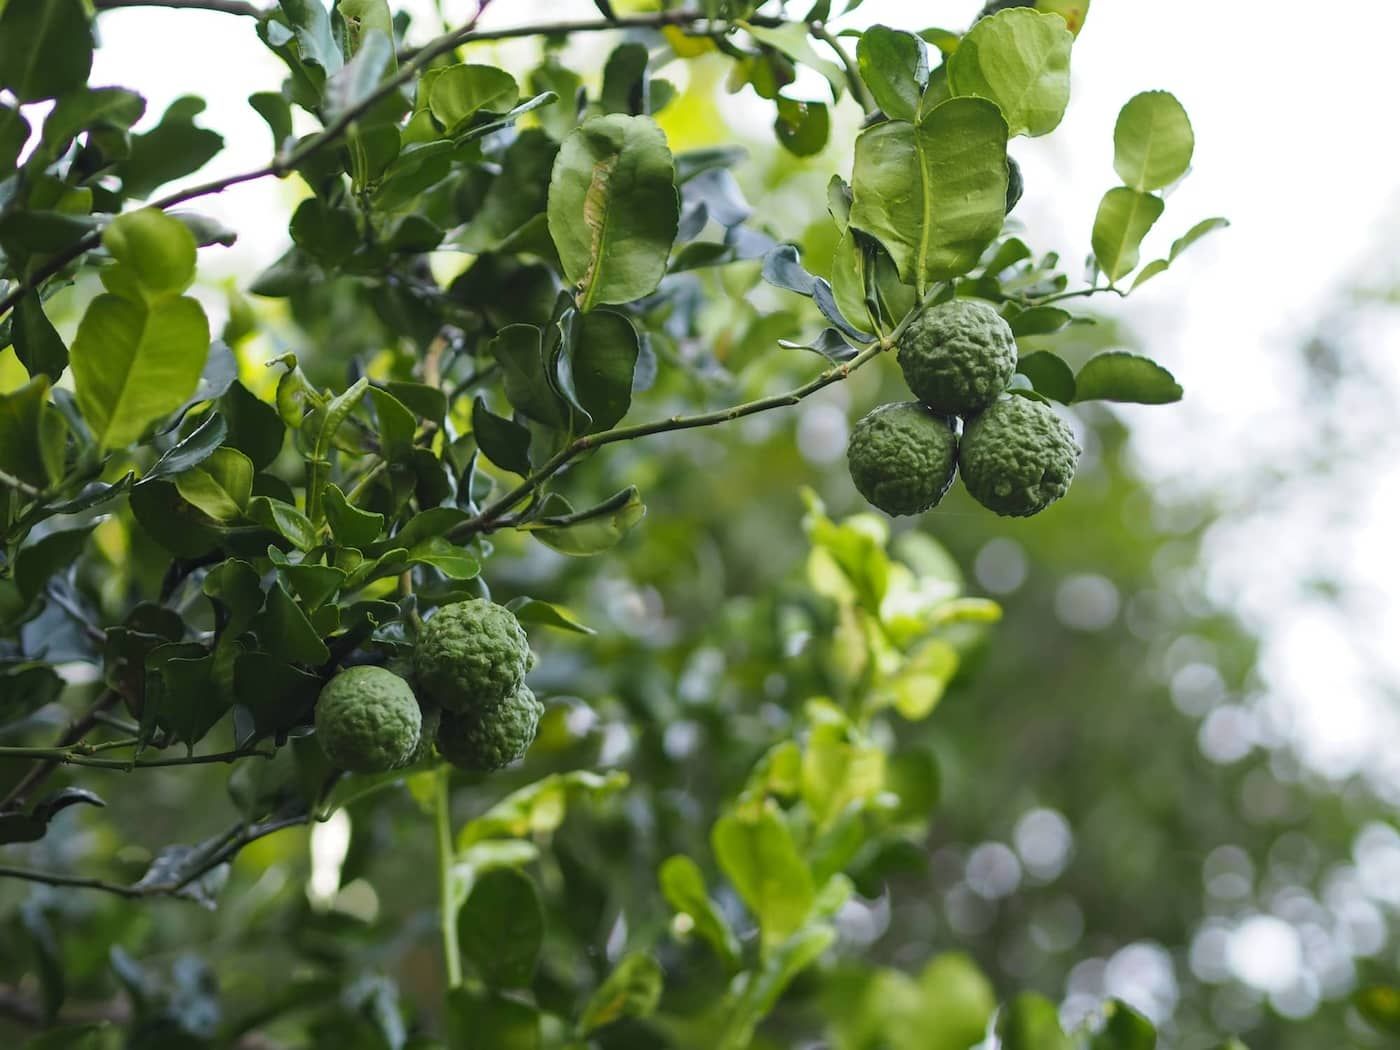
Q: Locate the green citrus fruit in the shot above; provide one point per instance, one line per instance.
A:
(902, 457)
(367, 720)
(958, 357)
(1017, 457)
(490, 738)
(471, 654)
(423, 750)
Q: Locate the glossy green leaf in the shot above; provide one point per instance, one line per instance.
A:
(286, 633)
(40, 560)
(504, 442)
(1152, 141)
(894, 66)
(326, 232)
(603, 348)
(452, 561)
(45, 47)
(1117, 375)
(37, 343)
(349, 524)
(1040, 320)
(683, 885)
(756, 851)
(501, 928)
(518, 350)
(220, 485)
(283, 519)
(625, 80)
(459, 92)
(397, 425)
(181, 528)
(933, 193)
(516, 197)
(134, 363)
(1125, 216)
(802, 127)
(236, 586)
(633, 989)
(254, 428)
(613, 208)
(1018, 59)
(793, 40)
(1049, 375)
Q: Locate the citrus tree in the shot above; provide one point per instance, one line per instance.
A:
(301, 547)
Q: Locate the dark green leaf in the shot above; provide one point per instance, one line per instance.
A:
(894, 66)
(236, 586)
(254, 428)
(14, 132)
(40, 560)
(1040, 320)
(45, 48)
(518, 349)
(190, 699)
(504, 442)
(350, 525)
(933, 193)
(603, 348)
(285, 631)
(172, 149)
(501, 928)
(1117, 375)
(220, 485)
(489, 1020)
(328, 233)
(1124, 1029)
(625, 81)
(37, 344)
(802, 127)
(1049, 375)
(516, 196)
(21, 415)
(613, 208)
(191, 450)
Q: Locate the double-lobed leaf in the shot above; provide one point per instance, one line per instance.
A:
(1019, 59)
(933, 192)
(613, 208)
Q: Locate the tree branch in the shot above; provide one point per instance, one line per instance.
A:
(77, 756)
(227, 846)
(492, 513)
(228, 7)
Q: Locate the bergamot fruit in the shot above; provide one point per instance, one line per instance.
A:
(490, 738)
(367, 720)
(1017, 457)
(958, 357)
(471, 654)
(902, 457)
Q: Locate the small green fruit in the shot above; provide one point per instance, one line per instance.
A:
(1018, 457)
(367, 720)
(958, 357)
(484, 740)
(470, 655)
(902, 457)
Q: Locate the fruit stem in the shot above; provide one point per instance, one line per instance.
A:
(447, 899)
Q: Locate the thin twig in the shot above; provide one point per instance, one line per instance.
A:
(75, 756)
(72, 733)
(227, 7)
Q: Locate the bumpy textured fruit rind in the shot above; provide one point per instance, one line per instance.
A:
(423, 750)
(471, 654)
(902, 457)
(367, 720)
(958, 357)
(1017, 457)
(488, 739)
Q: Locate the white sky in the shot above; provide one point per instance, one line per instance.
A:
(1293, 145)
